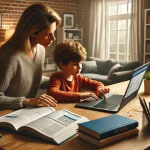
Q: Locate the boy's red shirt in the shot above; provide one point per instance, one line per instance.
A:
(69, 91)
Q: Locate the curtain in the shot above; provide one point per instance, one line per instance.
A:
(136, 49)
(96, 47)
(97, 29)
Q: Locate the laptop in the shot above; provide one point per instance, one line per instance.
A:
(115, 102)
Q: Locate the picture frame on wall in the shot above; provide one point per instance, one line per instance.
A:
(68, 21)
(0, 19)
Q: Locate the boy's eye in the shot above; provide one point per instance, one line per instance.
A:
(46, 34)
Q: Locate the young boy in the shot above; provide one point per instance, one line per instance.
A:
(65, 85)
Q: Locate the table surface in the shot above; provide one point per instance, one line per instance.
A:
(11, 140)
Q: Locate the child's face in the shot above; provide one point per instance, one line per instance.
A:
(72, 68)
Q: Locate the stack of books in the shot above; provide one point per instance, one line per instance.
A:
(107, 130)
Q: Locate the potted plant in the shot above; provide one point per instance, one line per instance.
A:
(147, 83)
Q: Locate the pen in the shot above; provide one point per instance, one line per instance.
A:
(144, 109)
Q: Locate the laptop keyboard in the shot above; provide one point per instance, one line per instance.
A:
(110, 103)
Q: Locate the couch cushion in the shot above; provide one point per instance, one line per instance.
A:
(105, 65)
(115, 68)
(89, 67)
(102, 78)
(130, 66)
(102, 66)
(111, 63)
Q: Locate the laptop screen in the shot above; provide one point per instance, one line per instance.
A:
(136, 80)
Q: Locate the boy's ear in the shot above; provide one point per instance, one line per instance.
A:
(33, 35)
(62, 65)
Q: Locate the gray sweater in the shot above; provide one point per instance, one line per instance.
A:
(20, 77)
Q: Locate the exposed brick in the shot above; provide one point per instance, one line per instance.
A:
(12, 9)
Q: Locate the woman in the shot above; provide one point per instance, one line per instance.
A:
(22, 58)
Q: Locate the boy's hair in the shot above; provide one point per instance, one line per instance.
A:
(68, 51)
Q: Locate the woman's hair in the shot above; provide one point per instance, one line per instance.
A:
(33, 20)
(68, 51)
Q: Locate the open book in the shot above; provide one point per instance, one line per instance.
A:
(44, 122)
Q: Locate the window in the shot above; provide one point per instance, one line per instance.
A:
(118, 20)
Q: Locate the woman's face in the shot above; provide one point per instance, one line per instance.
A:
(46, 36)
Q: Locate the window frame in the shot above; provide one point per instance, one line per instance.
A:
(117, 18)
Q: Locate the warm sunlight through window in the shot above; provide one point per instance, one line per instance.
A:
(118, 30)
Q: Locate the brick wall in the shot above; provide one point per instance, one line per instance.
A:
(12, 9)
(83, 19)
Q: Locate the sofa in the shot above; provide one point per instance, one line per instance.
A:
(108, 71)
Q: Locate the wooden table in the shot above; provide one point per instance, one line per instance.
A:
(11, 140)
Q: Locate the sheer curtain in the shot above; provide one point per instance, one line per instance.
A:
(97, 35)
(136, 50)
(96, 47)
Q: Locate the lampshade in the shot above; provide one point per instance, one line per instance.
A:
(8, 33)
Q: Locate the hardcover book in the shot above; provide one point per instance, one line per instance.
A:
(107, 126)
(108, 140)
(43, 122)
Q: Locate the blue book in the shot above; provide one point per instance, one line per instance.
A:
(107, 126)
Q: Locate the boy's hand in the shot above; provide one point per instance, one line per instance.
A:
(102, 91)
(43, 100)
(85, 96)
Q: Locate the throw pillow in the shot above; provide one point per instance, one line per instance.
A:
(89, 67)
(130, 65)
(115, 68)
(102, 66)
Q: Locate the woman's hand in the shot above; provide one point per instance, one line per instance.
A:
(87, 95)
(102, 91)
(42, 100)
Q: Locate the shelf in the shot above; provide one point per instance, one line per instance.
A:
(73, 29)
(147, 36)
(49, 67)
(74, 39)
(69, 34)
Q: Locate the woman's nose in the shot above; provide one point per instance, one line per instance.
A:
(52, 38)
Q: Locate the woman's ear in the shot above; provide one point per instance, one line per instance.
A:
(33, 36)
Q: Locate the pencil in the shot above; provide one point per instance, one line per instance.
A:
(144, 109)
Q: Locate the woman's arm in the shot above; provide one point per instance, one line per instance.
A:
(10, 102)
(8, 69)
(8, 78)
